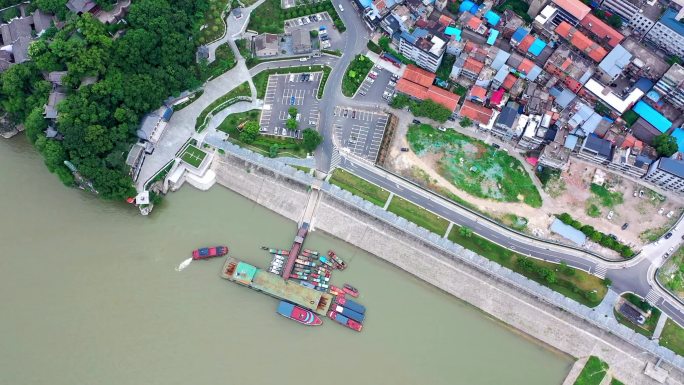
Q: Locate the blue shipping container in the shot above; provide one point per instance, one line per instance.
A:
(358, 317)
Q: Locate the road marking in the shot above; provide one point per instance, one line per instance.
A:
(652, 297)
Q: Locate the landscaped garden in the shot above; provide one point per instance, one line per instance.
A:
(235, 124)
(214, 26)
(593, 372)
(359, 187)
(269, 17)
(418, 215)
(356, 72)
(474, 166)
(671, 274)
(225, 60)
(579, 285)
(221, 103)
(651, 321)
(243, 47)
(193, 156)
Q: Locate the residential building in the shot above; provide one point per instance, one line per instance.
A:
(668, 33)
(626, 9)
(555, 155)
(301, 41)
(671, 86)
(50, 109)
(153, 125)
(614, 64)
(506, 125)
(600, 31)
(266, 45)
(480, 115)
(81, 6)
(424, 48)
(652, 116)
(618, 103)
(667, 173)
(570, 11)
(581, 42)
(596, 149)
(135, 159)
(477, 94)
(631, 157)
(417, 83)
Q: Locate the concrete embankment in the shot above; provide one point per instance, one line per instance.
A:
(533, 316)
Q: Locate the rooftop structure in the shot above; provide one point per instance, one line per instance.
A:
(606, 95)
(602, 32)
(667, 173)
(419, 76)
(266, 45)
(568, 232)
(671, 86)
(615, 62)
(571, 11)
(80, 6)
(581, 41)
(668, 33)
(417, 83)
(301, 41)
(596, 149)
(652, 116)
(477, 113)
(424, 47)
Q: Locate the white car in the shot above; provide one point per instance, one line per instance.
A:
(610, 215)
(304, 59)
(299, 22)
(392, 84)
(340, 7)
(369, 80)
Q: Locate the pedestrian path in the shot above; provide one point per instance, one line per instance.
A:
(605, 308)
(601, 270)
(659, 327)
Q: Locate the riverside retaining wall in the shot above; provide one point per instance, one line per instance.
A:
(453, 269)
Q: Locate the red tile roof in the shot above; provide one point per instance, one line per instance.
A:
(526, 66)
(526, 43)
(602, 30)
(563, 29)
(478, 92)
(474, 23)
(472, 65)
(412, 89)
(443, 97)
(379, 4)
(445, 20)
(566, 64)
(476, 112)
(509, 82)
(598, 53)
(574, 7)
(419, 75)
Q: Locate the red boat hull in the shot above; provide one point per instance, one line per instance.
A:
(209, 252)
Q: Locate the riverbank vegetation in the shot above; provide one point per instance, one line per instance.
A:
(359, 187)
(593, 372)
(474, 166)
(576, 284)
(602, 239)
(269, 17)
(128, 77)
(418, 215)
(355, 74)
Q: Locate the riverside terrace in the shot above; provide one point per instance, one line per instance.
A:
(286, 91)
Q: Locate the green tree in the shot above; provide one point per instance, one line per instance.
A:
(665, 145)
(311, 139)
(35, 124)
(466, 122)
(250, 132)
(615, 21)
(465, 232)
(292, 111)
(432, 110)
(273, 150)
(291, 124)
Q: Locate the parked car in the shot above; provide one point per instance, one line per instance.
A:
(370, 80)
(304, 59)
(392, 84)
(404, 149)
(451, 119)
(496, 145)
(346, 112)
(441, 128)
(625, 226)
(370, 75)
(416, 121)
(299, 22)
(354, 114)
(668, 235)
(610, 215)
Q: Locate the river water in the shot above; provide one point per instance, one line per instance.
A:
(89, 295)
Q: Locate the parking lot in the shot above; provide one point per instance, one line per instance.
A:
(374, 92)
(286, 91)
(314, 22)
(360, 131)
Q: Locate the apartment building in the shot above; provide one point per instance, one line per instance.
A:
(667, 173)
(671, 86)
(424, 48)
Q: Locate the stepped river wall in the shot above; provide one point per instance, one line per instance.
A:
(285, 191)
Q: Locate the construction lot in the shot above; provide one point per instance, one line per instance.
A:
(286, 91)
(360, 131)
(573, 191)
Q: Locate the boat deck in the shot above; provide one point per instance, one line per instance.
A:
(275, 286)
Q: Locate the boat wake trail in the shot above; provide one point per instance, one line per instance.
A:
(184, 264)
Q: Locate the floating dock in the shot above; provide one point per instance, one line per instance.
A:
(274, 285)
(295, 249)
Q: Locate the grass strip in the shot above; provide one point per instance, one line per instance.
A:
(418, 215)
(593, 372)
(355, 74)
(672, 337)
(359, 187)
(221, 103)
(576, 284)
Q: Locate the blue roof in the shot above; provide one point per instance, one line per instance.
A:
(652, 116)
(520, 34)
(467, 6)
(366, 3)
(615, 61)
(644, 84)
(537, 47)
(678, 134)
(653, 95)
(492, 18)
(500, 59)
(673, 166)
(493, 34)
(534, 72)
(669, 20)
(408, 37)
(452, 31)
(420, 32)
(571, 142)
(167, 114)
(568, 232)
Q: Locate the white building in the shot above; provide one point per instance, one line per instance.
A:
(667, 173)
